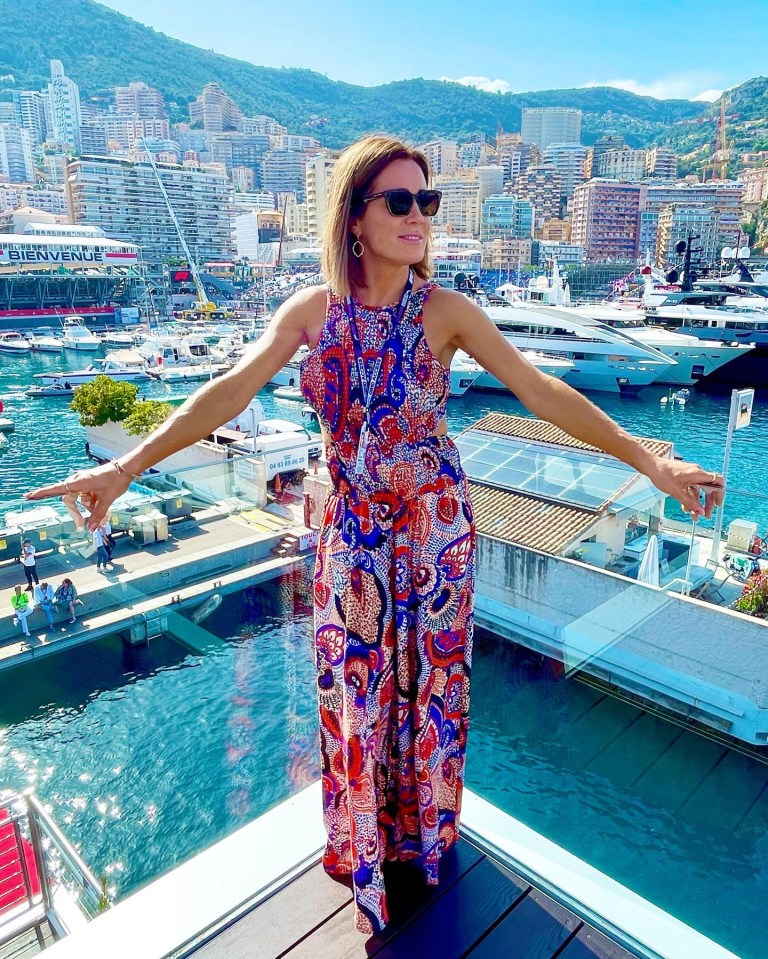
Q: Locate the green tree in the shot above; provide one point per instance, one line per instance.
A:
(146, 416)
(104, 400)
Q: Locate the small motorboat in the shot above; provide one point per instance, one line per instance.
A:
(51, 389)
(288, 393)
(676, 398)
(43, 341)
(14, 343)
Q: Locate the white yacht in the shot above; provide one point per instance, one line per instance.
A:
(465, 372)
(126, 366)
(77, 336)
(184, 373)
(694, 359)
(290, 374)
(45, 340)
(603, 359)
(551, 365)
(14, 343)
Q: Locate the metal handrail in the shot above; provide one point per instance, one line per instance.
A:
(41, 825)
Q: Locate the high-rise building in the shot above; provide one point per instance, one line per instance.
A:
(52, 200)
(555, 231)
(140, 100)
(92, 138)
(608, 141)
(561, 252)
(16, 159)
(31, 110)
(242, 178)
(755, 183)
(318, 181)
(545, 125)
(283, 171)
(568, 159)
(442, 156)
(65, 110)
(460, 206)
(680, 220)
(724, 197)
(9, 114)
(626, 165)
(476, 152)
(298, 143)
(606, 219)
(214, 110)
(661, 163)
(542, 185)
(239, 149)
(124, 199)
(266, 126)
(504, 215)
(123, 131)
(506, 253)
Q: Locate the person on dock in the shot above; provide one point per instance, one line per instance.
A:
(22, 607)
(45, 600)
(99, 544)
(29, 563)
(66, 595)
(394, 578)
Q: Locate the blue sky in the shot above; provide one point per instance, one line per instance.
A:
(662, 48)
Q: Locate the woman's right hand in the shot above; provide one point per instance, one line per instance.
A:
(96, 489)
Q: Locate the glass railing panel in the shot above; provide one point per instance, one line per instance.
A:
(628, 723)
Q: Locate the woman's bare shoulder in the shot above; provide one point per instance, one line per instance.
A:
(310, 298)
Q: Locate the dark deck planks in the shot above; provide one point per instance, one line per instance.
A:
(480, 910)
(535, 929)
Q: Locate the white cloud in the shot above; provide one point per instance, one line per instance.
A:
(709, 95)
(482, 83)
(666, 88)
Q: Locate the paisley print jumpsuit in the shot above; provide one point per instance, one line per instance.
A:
(393, 589)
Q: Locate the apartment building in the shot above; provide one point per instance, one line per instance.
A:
(124, 199)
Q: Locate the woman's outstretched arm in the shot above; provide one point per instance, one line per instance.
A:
(468, 328)
(207, 409)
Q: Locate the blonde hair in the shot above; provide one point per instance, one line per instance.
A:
(354, 172)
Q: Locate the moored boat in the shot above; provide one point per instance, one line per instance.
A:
(77, 336)
(15, 343)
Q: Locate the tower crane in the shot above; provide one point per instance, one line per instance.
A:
(203, 308)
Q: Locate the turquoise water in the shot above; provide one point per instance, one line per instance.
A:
(49, 439)
(148, 755)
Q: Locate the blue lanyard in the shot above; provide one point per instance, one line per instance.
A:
(369, 387)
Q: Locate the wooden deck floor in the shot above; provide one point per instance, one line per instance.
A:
(480, 909)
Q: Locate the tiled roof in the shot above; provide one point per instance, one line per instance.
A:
(543, 432)
(527, 520)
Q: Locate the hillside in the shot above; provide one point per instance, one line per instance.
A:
(101, 48)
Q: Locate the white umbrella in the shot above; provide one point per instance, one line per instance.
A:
(649, 565)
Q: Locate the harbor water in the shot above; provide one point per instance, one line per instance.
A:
(49, 441)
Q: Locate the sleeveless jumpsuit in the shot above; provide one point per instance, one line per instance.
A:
(393, 587)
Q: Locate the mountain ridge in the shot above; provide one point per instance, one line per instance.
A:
(102, 48)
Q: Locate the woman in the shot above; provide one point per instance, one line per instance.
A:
(66, 595)
(394, 573)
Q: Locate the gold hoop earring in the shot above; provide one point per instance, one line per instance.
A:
(357, 248)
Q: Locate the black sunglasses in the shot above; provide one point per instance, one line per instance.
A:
(400, 202)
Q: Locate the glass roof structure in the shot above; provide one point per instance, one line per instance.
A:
(563, 475)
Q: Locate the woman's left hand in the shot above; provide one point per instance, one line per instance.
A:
(684, 481)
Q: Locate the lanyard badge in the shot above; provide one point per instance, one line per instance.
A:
(369, 386)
